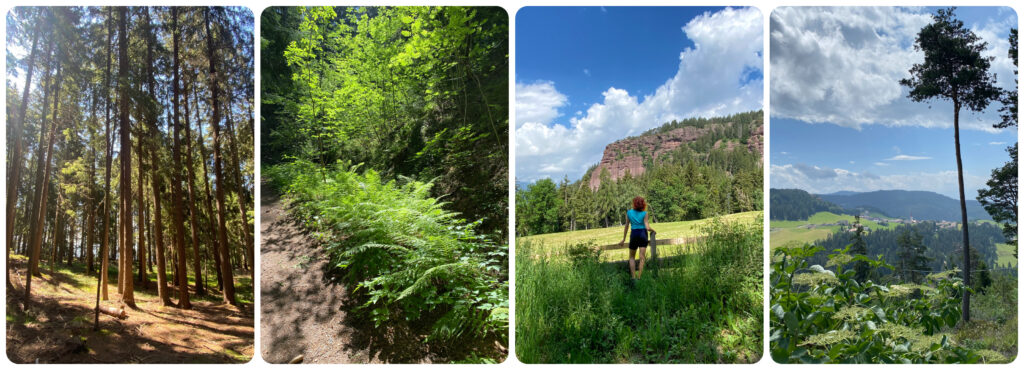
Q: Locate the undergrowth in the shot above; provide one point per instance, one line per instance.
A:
(824, 315)
(397, 247)
(703, 307)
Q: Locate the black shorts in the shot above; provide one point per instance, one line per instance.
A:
(637, 239)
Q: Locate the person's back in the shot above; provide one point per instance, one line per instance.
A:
(636, 219)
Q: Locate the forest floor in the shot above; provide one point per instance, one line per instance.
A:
(305, 310)
(57, 326)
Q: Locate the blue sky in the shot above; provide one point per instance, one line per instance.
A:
(840, 120)
(587, 76)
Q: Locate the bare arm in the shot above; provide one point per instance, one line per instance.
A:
(647, 223)
(624, 233)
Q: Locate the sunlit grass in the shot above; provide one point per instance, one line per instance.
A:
(612, 235)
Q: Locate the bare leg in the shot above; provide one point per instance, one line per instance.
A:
(643, 258)
(632, 267)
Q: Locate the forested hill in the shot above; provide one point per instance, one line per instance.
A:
(796, 204)
(921, 205)
(684, 176)
(637, 154)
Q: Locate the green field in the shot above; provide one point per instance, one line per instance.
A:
(1005, 253)
(614, 235)
(705, 307)
(790, 232)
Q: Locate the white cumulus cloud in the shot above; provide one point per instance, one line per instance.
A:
(712, 80)
(537, 102)
(842, 65)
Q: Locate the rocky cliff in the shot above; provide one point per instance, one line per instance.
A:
(627, 155)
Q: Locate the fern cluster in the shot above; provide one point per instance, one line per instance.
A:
(409, 257)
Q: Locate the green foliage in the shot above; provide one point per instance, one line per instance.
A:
(410, 91)
(841, 320)
(703, 307)
(912, 261)
(408, 257)
(954, 67)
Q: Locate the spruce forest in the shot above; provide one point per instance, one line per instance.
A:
(384, 212)
(129, 206)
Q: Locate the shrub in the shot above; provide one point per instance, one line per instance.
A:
(824, 316)
(408, 256)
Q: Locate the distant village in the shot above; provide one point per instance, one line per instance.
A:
(846, 224)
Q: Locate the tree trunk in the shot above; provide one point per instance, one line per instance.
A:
(104, 251)
(14, 170)
(966, 309)
(228, 276)
(143, 278)
(243, 199)
(197, 261)
(39, 156)
(128, 296)
(212, 232)
(161, 260)
(181, 275)
(42, 186)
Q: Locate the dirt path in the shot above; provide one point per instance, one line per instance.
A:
(300, 309)
(57, 327)
(304, 311)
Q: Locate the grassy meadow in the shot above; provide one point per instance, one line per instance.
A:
(790, 233)
(704, 306)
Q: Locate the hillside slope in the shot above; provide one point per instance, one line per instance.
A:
(921, 205)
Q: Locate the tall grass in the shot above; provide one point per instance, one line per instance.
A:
(700, 307)
(398, 247)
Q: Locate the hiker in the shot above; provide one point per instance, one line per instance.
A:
(637, 228)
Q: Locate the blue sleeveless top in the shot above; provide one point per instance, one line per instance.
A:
(636, 219)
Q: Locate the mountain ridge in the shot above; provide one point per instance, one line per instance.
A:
(906, 204)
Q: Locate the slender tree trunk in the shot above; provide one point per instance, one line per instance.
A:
(128, 296)
(158, 239)
(42, 185)
(228, 275)
(55, 245)
(90, 210)
(14, 171)
(212, 232)
(179, 224)
(966, 309)
(104, 251)
(141, 221)
(40, 156)
(197, 261)
(243, 199)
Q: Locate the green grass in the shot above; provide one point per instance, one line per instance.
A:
(788, 236)
(612, 235)
(789, 232)
(1004, 252)
(703, 308)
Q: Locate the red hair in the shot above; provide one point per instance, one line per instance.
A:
(639, 204)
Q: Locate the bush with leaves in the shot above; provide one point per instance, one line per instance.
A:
(823, 315)
(409, 257)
